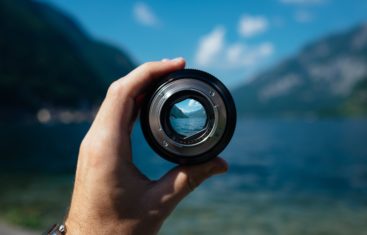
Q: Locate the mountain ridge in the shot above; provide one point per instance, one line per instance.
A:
(48, 60)
(320, 80)
(176, 112)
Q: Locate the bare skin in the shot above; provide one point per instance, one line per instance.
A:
(111, 196)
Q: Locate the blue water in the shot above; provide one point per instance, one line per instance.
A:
(285, 176)
(292, 155)
(188, 126)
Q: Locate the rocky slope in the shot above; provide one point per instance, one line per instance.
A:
(327, 78)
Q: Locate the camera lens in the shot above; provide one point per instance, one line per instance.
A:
(188, 117)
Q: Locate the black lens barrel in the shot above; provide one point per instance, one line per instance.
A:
(164, 93)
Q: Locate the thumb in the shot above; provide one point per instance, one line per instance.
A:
(181, 180)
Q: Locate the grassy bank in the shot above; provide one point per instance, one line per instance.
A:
(34, 201)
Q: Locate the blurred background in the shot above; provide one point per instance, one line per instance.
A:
(296, 68)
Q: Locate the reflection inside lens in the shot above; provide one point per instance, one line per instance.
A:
(188, 117)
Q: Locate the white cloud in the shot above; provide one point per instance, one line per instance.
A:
(256, 54)
(214, 51)
(193, 103)
(144, 15)
(303, 16)
(303, 2)
(234, 52)
(209, 46)
(240, 55)
(252, 25)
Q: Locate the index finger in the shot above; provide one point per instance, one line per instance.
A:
(117, 110)
(139, 79)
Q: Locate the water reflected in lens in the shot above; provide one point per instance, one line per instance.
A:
(188, 117)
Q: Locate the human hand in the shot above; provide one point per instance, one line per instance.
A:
(111, 196)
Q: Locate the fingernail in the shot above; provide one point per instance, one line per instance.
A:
(177, 59)
(165, 60)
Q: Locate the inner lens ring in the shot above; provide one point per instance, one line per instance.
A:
(162, 94)
(166, 123)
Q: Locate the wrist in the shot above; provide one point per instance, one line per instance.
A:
(56, 229)
(72, 227)
(80, 226)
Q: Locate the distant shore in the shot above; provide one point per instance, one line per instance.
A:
(49, 115)
(7, 229)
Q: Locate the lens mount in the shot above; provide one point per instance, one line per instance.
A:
(195, 138)
(218, 107)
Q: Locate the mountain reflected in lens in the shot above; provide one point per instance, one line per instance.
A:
(188, 117)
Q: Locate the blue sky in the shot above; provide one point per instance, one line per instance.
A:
(233, 40)
(189, 105)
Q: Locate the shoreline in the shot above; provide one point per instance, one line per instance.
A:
(8, 229)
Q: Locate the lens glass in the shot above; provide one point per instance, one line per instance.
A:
(188, 117)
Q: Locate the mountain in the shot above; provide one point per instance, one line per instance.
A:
(177, 113)
(326, 78)
(47, 60)
(200, 113)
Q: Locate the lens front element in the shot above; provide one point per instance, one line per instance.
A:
(188, 117)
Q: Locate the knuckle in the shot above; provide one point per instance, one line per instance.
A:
(84, 146)
(90, 153)
(115, 88)
(147, 67)
(188, 181)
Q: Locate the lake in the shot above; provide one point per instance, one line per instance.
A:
(285, 176)
(188, 126)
